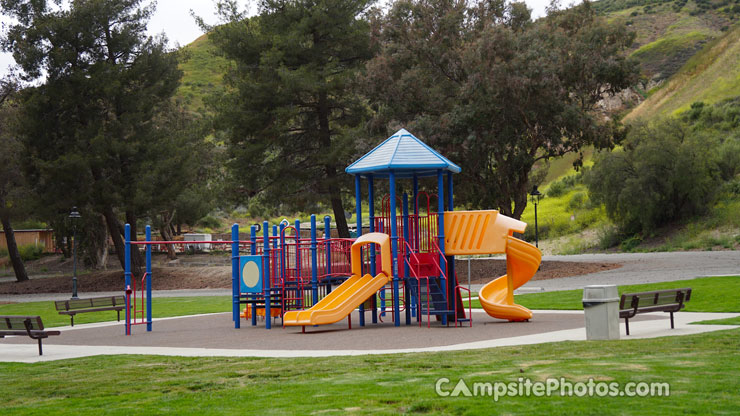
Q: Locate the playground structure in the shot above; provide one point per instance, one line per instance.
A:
(405, 263)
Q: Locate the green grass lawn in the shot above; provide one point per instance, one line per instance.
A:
(161, 307)
(701, 370)
(709, 294)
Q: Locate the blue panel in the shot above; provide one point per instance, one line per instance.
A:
(250, 274)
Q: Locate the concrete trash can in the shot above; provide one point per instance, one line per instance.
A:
(601, 307)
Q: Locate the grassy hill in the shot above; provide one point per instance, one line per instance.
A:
(669, 32)
(711, 75)
(688, 51)
(203, 73)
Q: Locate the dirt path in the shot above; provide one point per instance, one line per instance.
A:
(218, 276)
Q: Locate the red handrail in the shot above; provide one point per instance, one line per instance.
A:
(140, 311)
(470, 308)
(415, 274)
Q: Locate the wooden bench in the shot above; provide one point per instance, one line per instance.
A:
(105, 303)
(25, 325)
(670, 300)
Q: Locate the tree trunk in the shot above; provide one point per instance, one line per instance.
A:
(166, 231)
(114, 229)
(331, 170)
(15, 256)
(336, 204)
(96, 249)
(137, 261)
(60, 242)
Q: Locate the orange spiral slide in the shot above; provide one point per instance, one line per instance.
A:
(488, 232)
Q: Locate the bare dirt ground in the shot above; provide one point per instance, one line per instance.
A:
(51, 274)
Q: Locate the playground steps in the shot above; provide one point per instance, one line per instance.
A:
(437, 304)
(276, 299)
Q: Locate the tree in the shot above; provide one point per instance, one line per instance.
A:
(89, 128)
(12, 183)
(496, 92)
(663, 173)
(292, 116)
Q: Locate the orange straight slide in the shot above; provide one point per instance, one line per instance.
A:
(350, 294)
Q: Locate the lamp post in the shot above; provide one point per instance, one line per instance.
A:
(535, 196)
(73, 217)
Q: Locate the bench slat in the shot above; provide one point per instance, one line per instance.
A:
(658, 297)
(88, 303)
(15, 322)
(104, 308)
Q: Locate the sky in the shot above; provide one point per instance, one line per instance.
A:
(173, 18)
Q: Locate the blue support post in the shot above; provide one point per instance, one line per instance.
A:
(371, 217)
(358, 205)
(253, 240)
(298, 260)
(148, 279)
(327, 247)
(274, 234)
(394, 250)
(283, 252)
(451, 259)
(127, 275)
(417, 232)
(266, 274)
(253, 298)
(314, 263)
(358, 217)
(441, 243)
(406, 271)
(235, 275)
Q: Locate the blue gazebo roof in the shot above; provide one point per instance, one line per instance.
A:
(405, 155)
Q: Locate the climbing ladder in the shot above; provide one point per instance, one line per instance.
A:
(429, 285)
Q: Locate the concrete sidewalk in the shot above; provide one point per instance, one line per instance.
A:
(645, 268)
(636, 268)
(656, 326)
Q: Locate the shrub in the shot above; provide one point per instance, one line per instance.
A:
(577, 200)
(728, 156)
(31, 251)
(563, 185)
(630, 243)
(608, 237)
(210, 221)
(663, 174)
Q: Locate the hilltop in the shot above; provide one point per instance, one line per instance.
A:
(203, 72)
(688, 51)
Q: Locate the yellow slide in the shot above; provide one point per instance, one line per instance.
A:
(488, 232)
(350, 294)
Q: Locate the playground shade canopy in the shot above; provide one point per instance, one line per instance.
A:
(405, 155)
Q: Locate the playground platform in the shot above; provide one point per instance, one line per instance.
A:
(212, 335)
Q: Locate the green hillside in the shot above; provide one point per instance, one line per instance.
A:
(688, 51)
(669, 33)
(712, 75)
(203, 73)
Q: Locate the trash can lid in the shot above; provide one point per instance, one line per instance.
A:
(600, 293)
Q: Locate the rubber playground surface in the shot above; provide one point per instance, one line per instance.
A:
(215, 335)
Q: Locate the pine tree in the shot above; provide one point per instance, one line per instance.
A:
(292, 116)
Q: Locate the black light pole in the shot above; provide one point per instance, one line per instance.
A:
(74, 216)
(535, 194)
